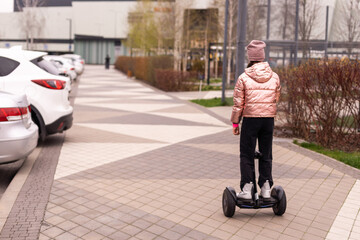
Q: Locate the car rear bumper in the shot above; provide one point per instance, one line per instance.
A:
(19, 146)
(60, 125)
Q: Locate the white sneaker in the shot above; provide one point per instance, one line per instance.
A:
(265, 190)
(246, 191)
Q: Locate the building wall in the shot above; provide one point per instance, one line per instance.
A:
(95, 51)
(107, 19)
(52, 29)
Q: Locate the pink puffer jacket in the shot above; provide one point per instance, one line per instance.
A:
(256, 93)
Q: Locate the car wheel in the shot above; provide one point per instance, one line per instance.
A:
(37, 119)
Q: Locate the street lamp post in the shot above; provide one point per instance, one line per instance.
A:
(326, 32)
(224, 52)
(241, 37)
(267, 53)
(70, 25)
(296, 32)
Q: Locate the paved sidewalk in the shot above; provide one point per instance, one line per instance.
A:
(142, 164)
(201, 95)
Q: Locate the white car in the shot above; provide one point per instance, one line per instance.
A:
(18, 134)
(63, 64)
(78, 62)
(48, 94)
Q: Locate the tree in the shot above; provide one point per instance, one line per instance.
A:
(256, 17)
(232, 23)
(153, 27)
(194, 30)
(286, 15)
(31, 22)
(308, 14)
(349, 23)
(143, 34)
(166, 25)
(256, 22)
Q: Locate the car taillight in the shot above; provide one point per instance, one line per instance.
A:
(13, 114)
(24, 110)
(82, 62)
(51, 83)
(72, 69)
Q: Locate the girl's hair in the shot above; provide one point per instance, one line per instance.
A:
(252, 63)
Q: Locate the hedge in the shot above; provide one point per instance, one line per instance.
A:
(143, 68)
(321, 100)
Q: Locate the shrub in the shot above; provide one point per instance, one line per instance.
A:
(198, 66)
(322, 102)
(170, 80)
(143, 68)
(125, 64)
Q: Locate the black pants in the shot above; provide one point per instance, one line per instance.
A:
(253, 129)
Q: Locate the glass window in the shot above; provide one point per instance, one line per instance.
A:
(46, 65)
(7, 66)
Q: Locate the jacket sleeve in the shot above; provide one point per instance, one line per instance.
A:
(239, 101)
(278, 89)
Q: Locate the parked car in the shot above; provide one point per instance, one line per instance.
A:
(64, 65)
(36, 57)
(48, 94)
(47, 66)
(77, 60)
(18, 133)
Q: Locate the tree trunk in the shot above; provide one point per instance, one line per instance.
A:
(216, 62)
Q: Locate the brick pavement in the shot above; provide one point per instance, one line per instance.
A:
(140, 164)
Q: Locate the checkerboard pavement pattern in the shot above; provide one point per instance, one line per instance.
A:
(140, 164)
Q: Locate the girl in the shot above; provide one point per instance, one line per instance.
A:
(255, 96)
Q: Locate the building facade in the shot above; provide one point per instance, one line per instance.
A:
(95, 28)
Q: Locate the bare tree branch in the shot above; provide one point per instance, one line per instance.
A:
(31, 21)
(349, 23)
(309, 11)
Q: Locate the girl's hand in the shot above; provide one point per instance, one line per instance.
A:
(236, 130)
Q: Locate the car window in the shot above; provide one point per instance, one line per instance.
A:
(45, 65)
(57, 63)
(7, 66)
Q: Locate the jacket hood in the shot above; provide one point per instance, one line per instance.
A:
(260, 72)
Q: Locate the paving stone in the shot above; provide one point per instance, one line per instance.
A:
(66, 236)
(79, 231)
(67, 225)
(105, 230)
(156, 229)
(52, 232)
(93, 236)
(145, 235)
(92, 224)
(131, 230)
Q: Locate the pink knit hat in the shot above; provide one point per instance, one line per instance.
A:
(255, 50)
